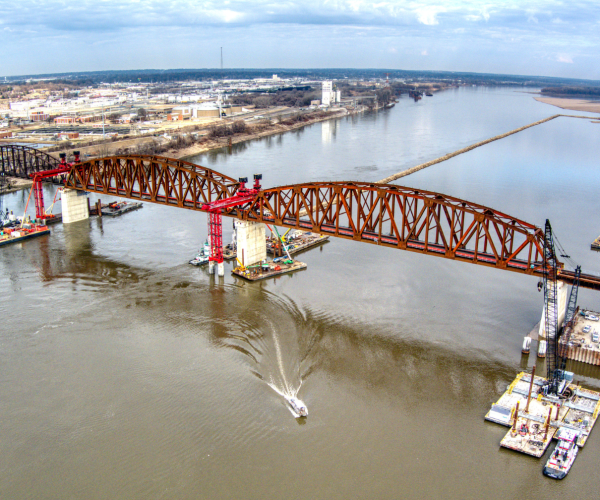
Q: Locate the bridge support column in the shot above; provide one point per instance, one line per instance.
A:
(561, 303)
(221, 269)
(74, 205)
(251, 243)
(211, 267)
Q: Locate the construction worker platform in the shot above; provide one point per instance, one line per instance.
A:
(534, 419)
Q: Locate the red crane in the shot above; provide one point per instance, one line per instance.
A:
(64, 168)
(242, 196)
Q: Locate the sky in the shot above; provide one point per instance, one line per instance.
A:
(542, 37)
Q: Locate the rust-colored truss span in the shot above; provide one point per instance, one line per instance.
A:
(22, 161)
(404, 218)
(155, 179)
(388, 215)
(409, 219)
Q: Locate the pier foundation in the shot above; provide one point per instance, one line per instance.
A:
(251, 243)
(561, 302)
(74, 206)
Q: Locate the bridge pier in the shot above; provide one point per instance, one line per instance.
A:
(561, 302)
(251, 243)
(74, 206)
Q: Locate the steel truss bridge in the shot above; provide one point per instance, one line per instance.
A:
(22, 161)
(381, 214)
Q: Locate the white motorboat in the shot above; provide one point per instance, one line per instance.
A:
(298, 407)
(563, 456)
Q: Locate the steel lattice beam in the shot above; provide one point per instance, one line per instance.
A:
(382, 214)
(404, 218)
(22, 161)
(152, 178)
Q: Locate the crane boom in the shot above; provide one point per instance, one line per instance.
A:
(551, 315)
(569, 320)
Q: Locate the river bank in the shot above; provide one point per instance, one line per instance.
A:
(271, 129)
(192, 140)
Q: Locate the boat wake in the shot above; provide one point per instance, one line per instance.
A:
(278, 339)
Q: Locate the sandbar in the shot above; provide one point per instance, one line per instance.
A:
(572, 104)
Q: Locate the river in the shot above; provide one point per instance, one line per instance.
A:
(126, 373)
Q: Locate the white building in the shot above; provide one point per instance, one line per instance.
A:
(328, 95)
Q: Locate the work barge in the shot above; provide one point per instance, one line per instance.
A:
(535, 418)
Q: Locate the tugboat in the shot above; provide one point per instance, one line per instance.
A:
(298, 407)
(563, 456)
(202, 256)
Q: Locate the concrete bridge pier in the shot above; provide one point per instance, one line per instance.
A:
(251, 243)
(561, 304)
(74, 206)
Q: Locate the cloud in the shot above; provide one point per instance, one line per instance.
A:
(428, 15)
(424, 52)
(562, 58)
(516, 35)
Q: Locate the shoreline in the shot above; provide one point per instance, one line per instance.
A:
(17, 184)
(569, 103)
(223, 142)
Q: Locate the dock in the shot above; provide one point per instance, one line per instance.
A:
(534, 425)
(268, 270)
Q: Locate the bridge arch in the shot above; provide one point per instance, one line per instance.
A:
(22, 161)
(405, 218)
(383, 214)
(156, 179)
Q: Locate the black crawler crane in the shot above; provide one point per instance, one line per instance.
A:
(569, 322)
(556, 360)
(551, 316)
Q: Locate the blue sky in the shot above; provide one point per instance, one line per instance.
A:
(544, 37)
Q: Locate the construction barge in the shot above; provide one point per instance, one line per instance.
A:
(295, 242)
(596, 244)
(119, 208)
(268, 269)
(22, 232)
(536, 418)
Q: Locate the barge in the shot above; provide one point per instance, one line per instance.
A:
(535, 419)
(584, 342)
(22, 233)
(119, 208)
(268, 269)
(296, 242)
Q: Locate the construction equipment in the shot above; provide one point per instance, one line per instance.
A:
(569, 322)
(555, 360)
(551, 310)
(282, 242)
(62, 170)
(243, 196)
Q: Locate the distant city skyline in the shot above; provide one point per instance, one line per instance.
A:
(544, 38)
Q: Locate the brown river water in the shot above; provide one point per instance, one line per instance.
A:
(126, 373)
